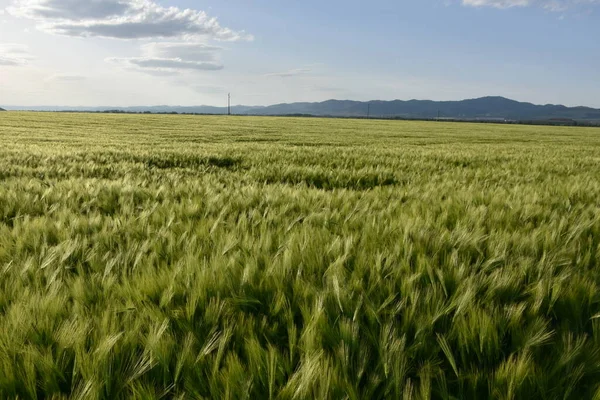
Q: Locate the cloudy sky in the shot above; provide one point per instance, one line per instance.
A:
(184, 52)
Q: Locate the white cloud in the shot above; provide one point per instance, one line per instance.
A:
(14, 48)
(497, 3)
(122, 19)
(65, 78)
(290, 73)
(167, 64)
(551, 5)
(172, 58)
(71, 9)
(9, 62)
(13, 55)
(204, 89)
(183, 50)
(330, 89)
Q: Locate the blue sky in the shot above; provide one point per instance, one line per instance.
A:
(183, 52)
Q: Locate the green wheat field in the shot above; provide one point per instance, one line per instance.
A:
(197, 257)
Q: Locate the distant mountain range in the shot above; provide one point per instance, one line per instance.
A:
(2, 109)
(482, 108)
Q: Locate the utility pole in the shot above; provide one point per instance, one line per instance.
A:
(229, 104)
(368, 110)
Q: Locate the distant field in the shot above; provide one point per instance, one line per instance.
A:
(262, 258)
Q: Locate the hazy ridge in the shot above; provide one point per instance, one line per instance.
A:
(481, 108)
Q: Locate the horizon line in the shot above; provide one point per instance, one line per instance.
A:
(23, 107)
